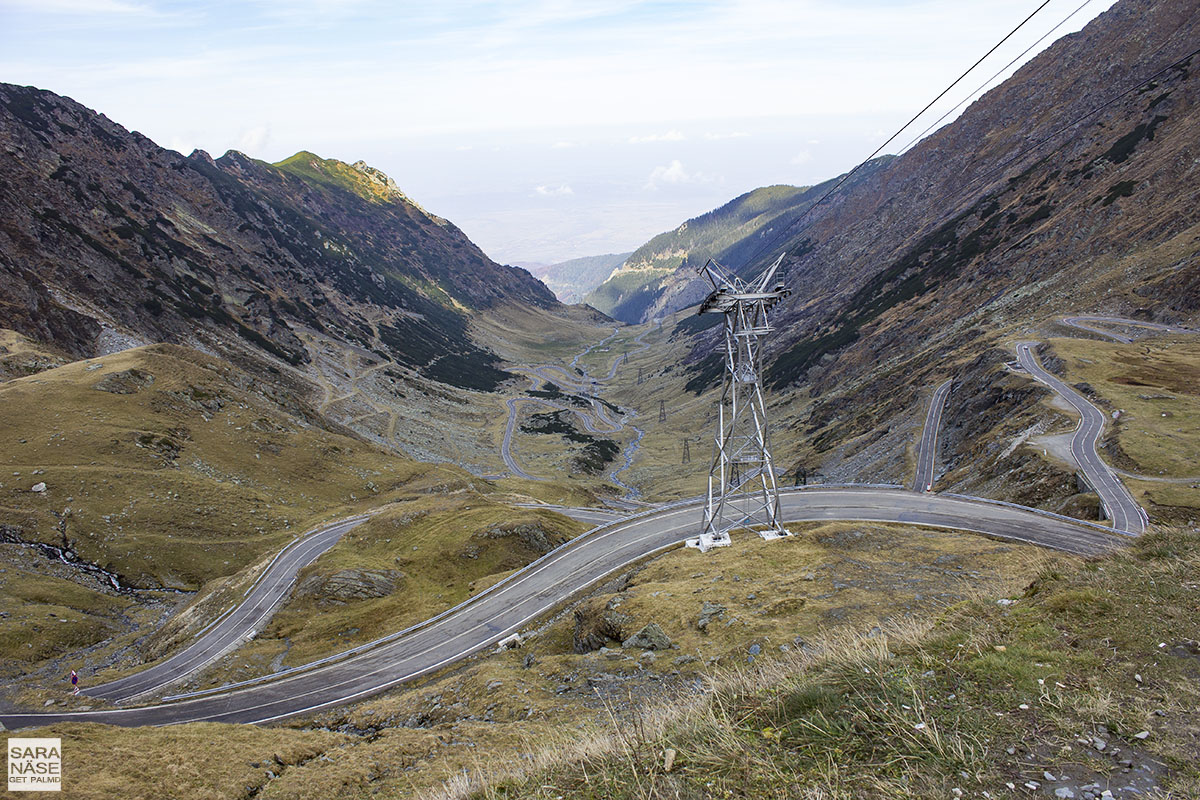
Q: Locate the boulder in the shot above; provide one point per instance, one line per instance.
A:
(708, 612)
(650, 637)
(350, 584)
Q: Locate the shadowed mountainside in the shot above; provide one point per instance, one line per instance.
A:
(105, 235)
(980, 224)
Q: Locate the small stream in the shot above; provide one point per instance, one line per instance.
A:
(65, 555)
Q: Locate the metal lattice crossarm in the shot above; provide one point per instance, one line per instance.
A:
(742, 491)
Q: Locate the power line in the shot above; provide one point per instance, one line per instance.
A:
(904, 127)
(1012, 159)
(1081, 118)
(986, 83)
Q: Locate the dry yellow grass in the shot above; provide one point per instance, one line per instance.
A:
(1155, 383)
(188, 478)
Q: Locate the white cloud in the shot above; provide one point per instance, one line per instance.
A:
(669, 136)
(674, 174)
(254, 140)
(714, 137)
(180, 145)
(561, 190)
(803, 157)
(563, 145)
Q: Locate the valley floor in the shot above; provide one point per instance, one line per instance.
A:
(765, 639)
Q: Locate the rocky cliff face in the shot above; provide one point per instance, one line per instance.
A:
(104, 235)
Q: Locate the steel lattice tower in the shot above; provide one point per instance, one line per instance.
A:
(742, 491)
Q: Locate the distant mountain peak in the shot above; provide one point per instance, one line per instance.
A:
(369, 183)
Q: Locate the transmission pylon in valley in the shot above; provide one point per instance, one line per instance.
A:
(742, 491)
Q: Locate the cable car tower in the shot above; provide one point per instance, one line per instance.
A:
(742, 492)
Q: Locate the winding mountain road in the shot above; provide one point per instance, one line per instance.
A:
(502, 610)
(236, 625)
(595, 420)
(528, 594)
(1091, 323)
(927, 446)
(1119, 505)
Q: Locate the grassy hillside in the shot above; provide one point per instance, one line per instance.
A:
(171, 473)
(360, 179)
(1071, 684)
(168, 468)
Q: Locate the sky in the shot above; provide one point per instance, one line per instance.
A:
(545, 129)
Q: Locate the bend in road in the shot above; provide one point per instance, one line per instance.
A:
(236, 625)
(597, 421)
(1092, 323)
(1119, 505)
(546, 583)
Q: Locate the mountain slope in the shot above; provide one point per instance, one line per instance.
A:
(1070, 186)
(100, 229)
(659, 277)
(572, 280)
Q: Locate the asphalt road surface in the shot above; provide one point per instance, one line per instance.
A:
(927, 447)
(1093, 323)
(236, 625)
(543, 585)
(1119, 505)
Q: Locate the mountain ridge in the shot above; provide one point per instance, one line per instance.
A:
(977, 209)
(659, 277)
(103, 229)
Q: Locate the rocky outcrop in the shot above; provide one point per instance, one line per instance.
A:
(531, 535)
(349, 585)
(129, 381)
(596, 625)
